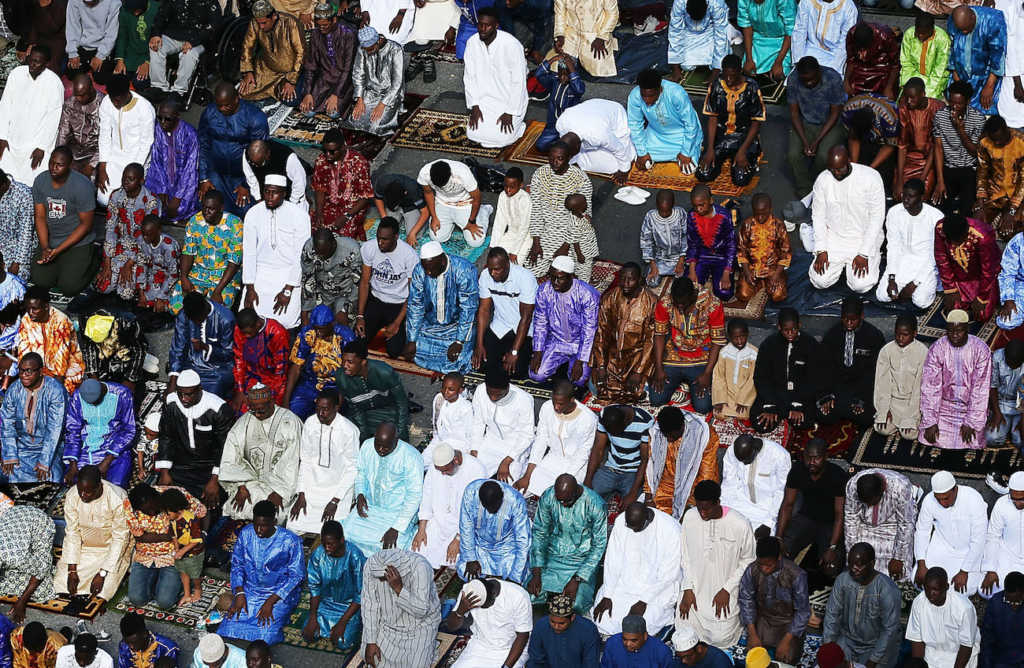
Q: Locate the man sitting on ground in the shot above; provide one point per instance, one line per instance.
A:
(943, 624)
(563, 638)
(787, 387)
(327, 64)
(140, 646)
(881, 511)
(495, 81)
(451, 471)
(335, 576)
(564, 324)
(1001, 643)
(773, 601)
(80, 125)
(372, 391)
(910, 249)
(502, 619)
(1003, 553)
(378, 86)
(684, 451)
(261, 356)
(851, 349)
(621, 450)
(634, 646)
(816, 98)
(663, 124)
(967, 256)
(622, 354)
(1000, 194)
(978, 52)
(100, 429)
(271, 56)
(504, 328)
(393, 633)
(872, 60)
(502, 427)
(204, 334)
(735, 112)
(951, 531)
(31, 424)
(924, 53)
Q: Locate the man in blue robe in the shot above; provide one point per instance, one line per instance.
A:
(226, 128)
(12, 294)
(204, 337)
(635, 648)
(30, 435)
(335, 575)
(663, 124)
(267, 570)
(494, 532)
(100, 430)
(440, 321)
(977, 52)
(389, 488)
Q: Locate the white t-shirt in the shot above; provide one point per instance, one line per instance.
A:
(519, 288)
(495, 628)
(389, 272)
(456, 191)
(66, 658)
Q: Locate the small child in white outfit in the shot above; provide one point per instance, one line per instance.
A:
(453, 417)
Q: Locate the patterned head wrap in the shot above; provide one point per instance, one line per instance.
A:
(261, 9)
(559, 605)
(324, 10)
(259, 392)
(321, 316)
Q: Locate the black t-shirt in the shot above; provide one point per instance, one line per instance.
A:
(818, 495)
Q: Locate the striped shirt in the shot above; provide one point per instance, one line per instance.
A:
(624, 449)
(953, 152)
(403, 626)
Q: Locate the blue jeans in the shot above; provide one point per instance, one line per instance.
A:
(700, 397)
(606, 481)
(148, 582)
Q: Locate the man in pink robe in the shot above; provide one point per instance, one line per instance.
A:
(954, 394)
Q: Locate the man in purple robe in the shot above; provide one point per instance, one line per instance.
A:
(954, 388)
(327, 64)
(100, 430)
(564, 324)
(172, 174)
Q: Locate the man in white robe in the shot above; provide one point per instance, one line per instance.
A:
(565, 435)
(848, 212)
(273, 235)
(126, 134)
(597, 131)
(503, 427)
(717, 546)
(943, 625)
(438, 536)
(391, 18)
(820, 30)
(754, 474)
(30, 117)
(502, 621)
(261, 456)
(1010, 108)
(327, 467)
(1004, 547)
(641, 570)
(495, 81)
(910, 244)
(951, 530)
(583, 30)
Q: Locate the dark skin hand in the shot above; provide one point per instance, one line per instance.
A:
(361, 506)
(605, 606)
(505, 121)
(238, 603)
(571, 588)
(265, 617)
(389, 539)
(475, 116)
(931, 434)
(473, 569)
(598, 48)
(73, 581)
(96, 586)
(533, 586)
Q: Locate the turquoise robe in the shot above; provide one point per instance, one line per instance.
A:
(338, 582)
(667, 128)
(771, 21)
(393, 488)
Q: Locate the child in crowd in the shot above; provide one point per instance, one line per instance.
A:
(732, 382)
(453, 417)
(1004, 415)
(663, 238)
(565, 85)
(762, 252)
(898, 381)
(581, 244)
(511, 229)
(145, 449)
(128, 207)
(156, 269)
(710, 243)
(188, 543)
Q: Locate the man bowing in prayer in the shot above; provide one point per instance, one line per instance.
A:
(261, 456)
(596, 133)
(495, 81)
(389, 488)
(684, 451)
(400, 611)
(440, 321)
(272, 239)
(267, 570)
(881, 511)
(951, 531)
(494, 532)
(100, 429)
(564, 324)
(443, 487)
(717, 545)
(570, 532)
(754, 475)
(30, 116)
(954, 388)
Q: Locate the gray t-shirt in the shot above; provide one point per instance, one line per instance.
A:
(389, 272)
(63, 205)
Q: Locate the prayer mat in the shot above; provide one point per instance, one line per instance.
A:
(449, 647)
(433, 130)
(439, 53)
(809, 658)
(895, 453)
(729, 429)
(87, 609)
(772, 92)
(456, 245)
(839, 437)
(297, 129)
(293, 632)
(931, 325)
(46, 496)
(662, 175)
(187, 615)
(751, 310)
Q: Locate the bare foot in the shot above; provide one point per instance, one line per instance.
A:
(185, 600)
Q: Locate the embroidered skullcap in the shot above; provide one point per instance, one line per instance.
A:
(634, 624)
(275, 180)
(211, 647)
(97, 327)
(367, 36)
(684, 639)
(90, 391)
(758, 658)
(258, 392)
(431, 249)
(324, 10)
(942, 482)
(564, 263)
(443, 454)
(261, 9)
(559, 605)
(1017, 481)
(321, 315)
(476, 588)
(831, 655)
(958, 316)
(152, 422)
(188, 378)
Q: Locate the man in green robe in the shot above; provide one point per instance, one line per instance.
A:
(925, 54)
(372, 391)
(570, 533)
(767, 26)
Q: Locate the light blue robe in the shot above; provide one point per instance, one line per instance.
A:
(1011, 282)
(43, 445)
(425, 328)
(982, 52)
(338, 582)
(393, 488)
(500, 542)
(12, 289)
(695, 43)
(667, 128)
(261, 567)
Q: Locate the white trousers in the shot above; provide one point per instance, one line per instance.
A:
(451, 217)
(597, 160)
(187, 63)
(270, 280)
(439, 534)
(924, 293)
(836, 265)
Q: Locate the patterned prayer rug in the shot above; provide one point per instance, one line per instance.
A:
(449, 647)
(46, 496)
(438, 54)
(456, 245)
(187, 615)
(293, 632)
(662, 175)
(895, 453)
(729, 429)
(840, 437)
(772, 92)
(433, 130)
(931, 325)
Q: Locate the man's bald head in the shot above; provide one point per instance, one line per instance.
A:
(964, 19)
(638, 516)
(746, 447)
(258, 150)
(81, 84)
(838, 155)
(572, 142)
(567, 490)
(224, 92)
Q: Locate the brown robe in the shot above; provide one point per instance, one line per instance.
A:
(272, 56)
(624, 343)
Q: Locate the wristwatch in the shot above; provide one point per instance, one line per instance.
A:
(514, 352)
(103, 573)
(287, 292)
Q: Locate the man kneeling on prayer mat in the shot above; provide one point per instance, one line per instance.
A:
(684, 451)
(754, 473)
(1004, 552)
(267, 570)
(774, 606)
(502, 619)
(389, 488)
(97, 544)
(494, 532)
(400, 611)
(261, 456)
(335, 576)
(450, 473)
(570, 532)
(951, 530)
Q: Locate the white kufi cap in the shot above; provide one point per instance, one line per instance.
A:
(942, 482)
(564, 263)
